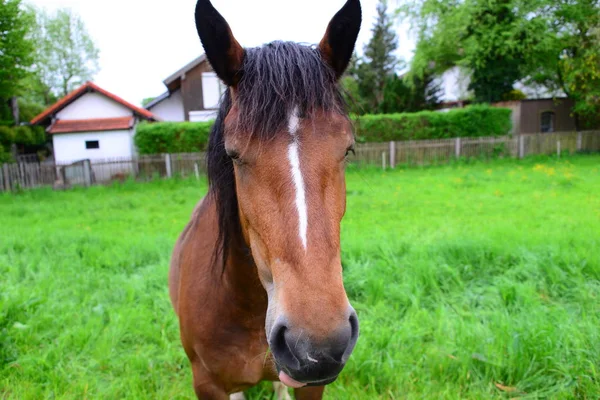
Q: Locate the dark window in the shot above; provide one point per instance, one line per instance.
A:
(92, 144)
(547, 121)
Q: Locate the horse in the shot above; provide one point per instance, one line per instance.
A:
(255, 276)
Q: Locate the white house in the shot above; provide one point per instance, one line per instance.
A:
(193, 94)
(93, 124)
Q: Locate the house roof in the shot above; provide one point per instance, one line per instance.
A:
(91, 125)
(157, 100)
(77, 93)
(174, 81)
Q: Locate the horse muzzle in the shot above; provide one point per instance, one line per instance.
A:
(308, 361)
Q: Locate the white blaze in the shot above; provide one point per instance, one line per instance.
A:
(294, 158)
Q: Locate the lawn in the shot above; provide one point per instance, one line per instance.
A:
(471, 281)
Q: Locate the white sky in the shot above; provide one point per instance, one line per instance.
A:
(142, 42)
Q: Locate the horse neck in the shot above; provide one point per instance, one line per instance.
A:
(240, 278)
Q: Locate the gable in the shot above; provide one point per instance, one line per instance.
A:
(93, 105)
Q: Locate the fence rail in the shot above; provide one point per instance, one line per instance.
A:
(29, 173)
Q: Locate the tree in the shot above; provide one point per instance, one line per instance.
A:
(553, 43)
(66, 54)
(569, 58)
(403, 95)
(16, 56)
(490, 38)
(379, 61)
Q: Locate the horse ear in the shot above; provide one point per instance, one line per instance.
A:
(337, 45)
(222, 49)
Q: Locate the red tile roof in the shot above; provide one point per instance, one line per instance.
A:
(91, 125)
(85, 88)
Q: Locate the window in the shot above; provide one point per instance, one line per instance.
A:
(92, 144)
(547, 121)
(212, 89)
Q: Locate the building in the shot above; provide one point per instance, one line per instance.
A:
(193, 94)
(93, 124)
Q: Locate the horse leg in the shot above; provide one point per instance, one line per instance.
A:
(309, 393)
(281, 391)
(237, 396)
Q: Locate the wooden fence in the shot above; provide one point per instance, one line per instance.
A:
(27, 173)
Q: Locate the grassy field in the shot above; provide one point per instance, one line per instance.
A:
(471, 281)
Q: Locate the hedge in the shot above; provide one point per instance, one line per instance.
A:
(473, 121)
(172, 137)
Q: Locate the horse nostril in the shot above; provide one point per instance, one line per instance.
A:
(353, 335)
(279, 346)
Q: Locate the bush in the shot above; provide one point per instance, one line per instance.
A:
(473, 121)
(172, 137)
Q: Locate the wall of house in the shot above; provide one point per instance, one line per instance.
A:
(515, 114)
(531, 111)
(203, 116)
(212, 88)
(70, 147)
(93, 105)
(171, 108)
(191, 89)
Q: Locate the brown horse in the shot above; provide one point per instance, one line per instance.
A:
(256, 275)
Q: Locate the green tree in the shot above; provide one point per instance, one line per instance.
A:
(410, 94)
(490, 38)
(16, 56)
(568, 60)
(66, 54)
(553, 43)
(379, 62)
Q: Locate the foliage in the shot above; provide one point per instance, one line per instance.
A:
(514, 95)
(488, 38)
(417, 95)
(16, 53)
(66, 54)
(147, 100)
(474, 121)
(182, 137)
(552, 43)
(462, 283)
(30, 136)
(172, 137)
(379, 62)
(569, 58)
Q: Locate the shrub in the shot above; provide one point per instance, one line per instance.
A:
(172, 137)
(473, 121)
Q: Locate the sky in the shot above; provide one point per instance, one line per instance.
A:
(142, 42)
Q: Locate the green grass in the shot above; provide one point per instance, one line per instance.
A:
(471, 281)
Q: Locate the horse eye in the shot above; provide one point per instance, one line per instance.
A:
(234, 155)
(350, 150)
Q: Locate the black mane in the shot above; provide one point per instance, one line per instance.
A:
(275, 79)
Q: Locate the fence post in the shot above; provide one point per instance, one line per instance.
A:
(579, 141)
(168, 164)
(87, 176)
(558, 148)
(196, 171)
(6, 177)
(383, 160)
(392, 154)
(457, 147)
(521, 146)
